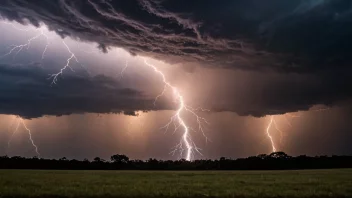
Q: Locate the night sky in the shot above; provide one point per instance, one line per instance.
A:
(269, 74)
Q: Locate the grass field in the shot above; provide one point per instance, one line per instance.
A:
(306, 183)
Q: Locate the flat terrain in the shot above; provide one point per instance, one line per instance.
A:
(305, 183)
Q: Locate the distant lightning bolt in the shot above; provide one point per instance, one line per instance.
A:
(186, 143)
(68, 61)
(30, 137)
(124, 69)
(13, 133)
(19, 48)
(11, 123)
(269, 135)
(29, 41)
(19, 122)
(16, 49)
(273, 122)
(46, 46)
(277, 128)
(161, 94)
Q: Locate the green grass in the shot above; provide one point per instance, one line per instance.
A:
(138, 184)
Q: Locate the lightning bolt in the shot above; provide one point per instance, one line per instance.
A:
(123, 70)
(46, 46)
(13, 133)
(273, 122)
(68, 61)
(186, 143)
(30, 136)
(18, 48)
(269, 135)
(20, 121)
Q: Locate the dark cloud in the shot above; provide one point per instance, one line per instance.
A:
(307, 41)
(299, 36)
(27, 92)
(270, 93)
(279, 94)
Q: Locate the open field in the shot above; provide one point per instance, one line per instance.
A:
(304, 183)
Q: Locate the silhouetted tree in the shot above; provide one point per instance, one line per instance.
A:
(119, 158)
(276, 160)
(280, 155)
(262, 156)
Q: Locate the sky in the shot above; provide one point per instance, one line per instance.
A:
(174, 79)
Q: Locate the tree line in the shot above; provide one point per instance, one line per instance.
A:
(273, 161)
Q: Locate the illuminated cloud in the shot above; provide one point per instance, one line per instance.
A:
(307, 43)
(298, 36)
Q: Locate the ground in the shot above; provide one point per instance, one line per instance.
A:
(165, 184)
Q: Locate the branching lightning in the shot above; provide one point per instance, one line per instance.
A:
(186, 143)
(273, 122)
(20, 121)
(68, 61)
(277, 128)
(18, 48)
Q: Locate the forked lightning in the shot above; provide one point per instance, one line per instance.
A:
(186, 143)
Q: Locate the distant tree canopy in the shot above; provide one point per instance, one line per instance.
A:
(120, 159)
(273, 161)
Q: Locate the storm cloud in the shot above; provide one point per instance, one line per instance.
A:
(292, 54)
(285, 36)
(259, 95)
(27, 92)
